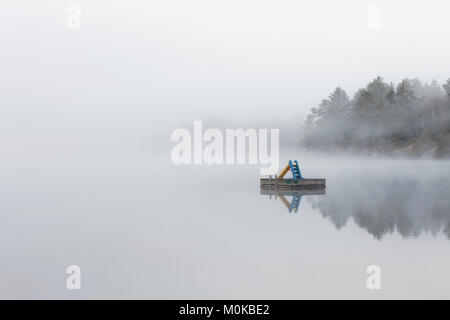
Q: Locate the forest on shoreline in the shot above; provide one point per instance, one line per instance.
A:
(408, 119)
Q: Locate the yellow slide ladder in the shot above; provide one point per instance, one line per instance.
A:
(283, 173)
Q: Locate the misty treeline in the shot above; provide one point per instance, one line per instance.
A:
(410, 118)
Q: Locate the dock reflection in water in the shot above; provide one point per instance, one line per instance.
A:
(296, 195)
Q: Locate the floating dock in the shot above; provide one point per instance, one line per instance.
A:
(276, 184)
(297, 181)
(298, 191)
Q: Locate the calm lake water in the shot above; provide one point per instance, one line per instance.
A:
(140, 227)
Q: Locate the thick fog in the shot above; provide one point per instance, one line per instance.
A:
(144, 66)
(90, 92)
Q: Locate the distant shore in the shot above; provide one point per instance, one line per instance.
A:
(408, 120)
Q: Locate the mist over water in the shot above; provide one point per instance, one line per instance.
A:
(86, 176)
(141, 227)
(99, 190)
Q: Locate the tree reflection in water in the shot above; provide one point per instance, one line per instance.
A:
(408, 204)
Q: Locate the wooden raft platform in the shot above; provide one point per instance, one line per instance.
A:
(275, 184)
(293, 192)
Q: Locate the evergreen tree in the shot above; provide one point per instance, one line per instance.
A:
(336, 106)
(446, 87)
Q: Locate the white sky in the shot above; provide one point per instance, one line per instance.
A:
(242, 59)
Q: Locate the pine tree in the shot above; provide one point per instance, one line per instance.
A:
(336, 106)
(446, 87)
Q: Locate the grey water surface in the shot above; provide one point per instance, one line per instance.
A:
(140, 227)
